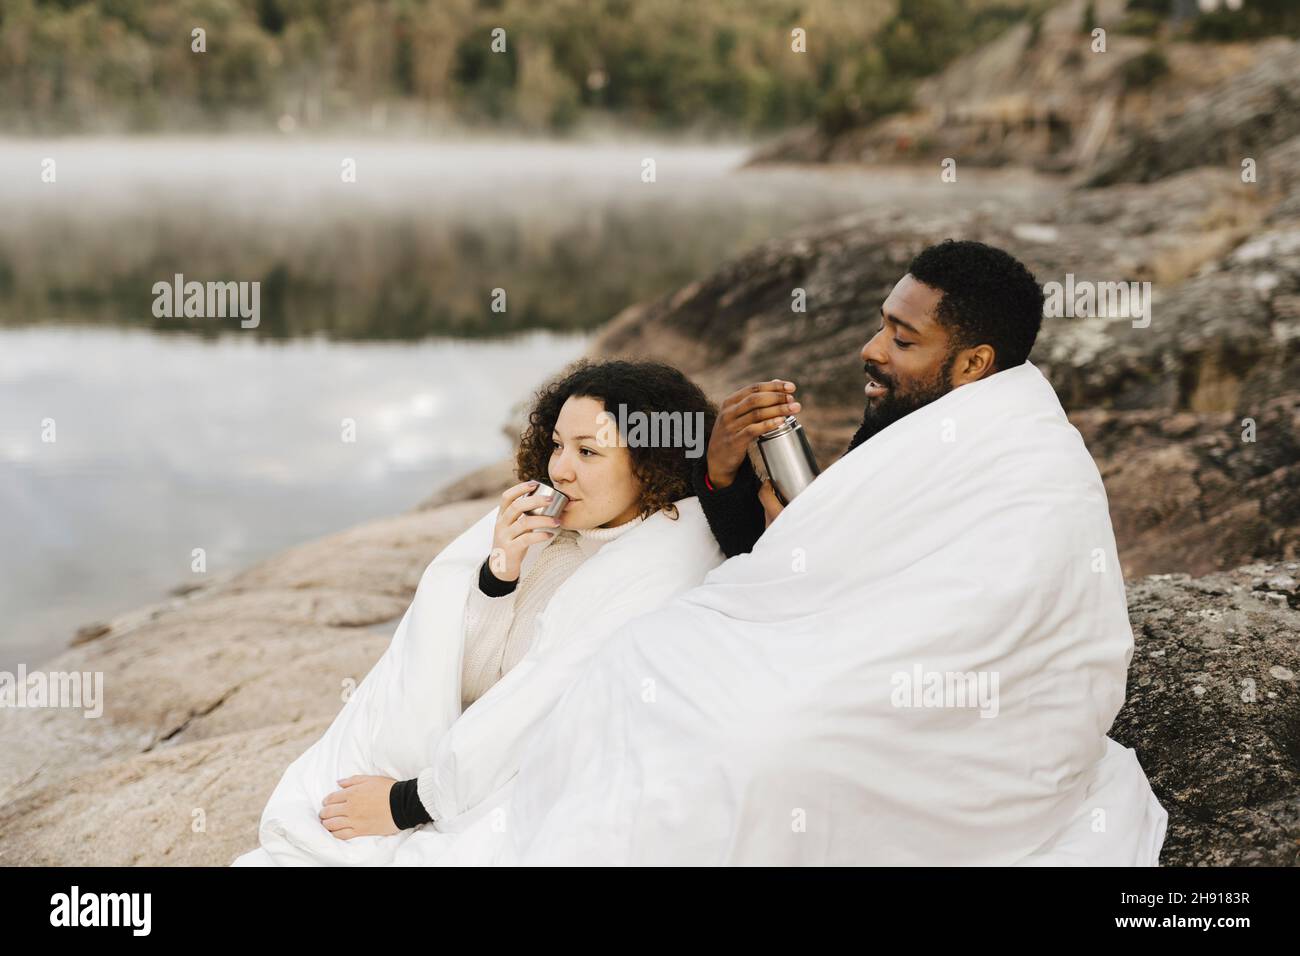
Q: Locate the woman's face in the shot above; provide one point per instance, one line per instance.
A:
(595, 473)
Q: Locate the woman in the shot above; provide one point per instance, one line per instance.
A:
(487, 647)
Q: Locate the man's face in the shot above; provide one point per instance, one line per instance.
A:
(908, 362)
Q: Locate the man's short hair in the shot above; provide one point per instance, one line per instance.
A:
(989, 297)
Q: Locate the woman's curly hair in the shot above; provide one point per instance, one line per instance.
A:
(663, 472)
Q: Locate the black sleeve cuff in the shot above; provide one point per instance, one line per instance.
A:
(742, 486)
(734, 513)
(405, 806)
(491, 585)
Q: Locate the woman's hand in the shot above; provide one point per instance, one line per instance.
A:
(745, 415)
(360, 808)
(771, 503)
(516, 530)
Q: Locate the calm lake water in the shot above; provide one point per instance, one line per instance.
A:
(164, 444)
(376, 295)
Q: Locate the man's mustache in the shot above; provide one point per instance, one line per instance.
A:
(873, 373)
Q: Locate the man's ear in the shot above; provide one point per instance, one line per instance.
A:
(973, 364)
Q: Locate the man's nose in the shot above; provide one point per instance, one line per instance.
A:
(874, 351)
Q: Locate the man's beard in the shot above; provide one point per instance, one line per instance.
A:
(895, 403)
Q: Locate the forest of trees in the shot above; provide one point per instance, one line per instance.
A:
(85, 65)
(668, 64)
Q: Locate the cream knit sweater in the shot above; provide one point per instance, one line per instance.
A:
(499, 630)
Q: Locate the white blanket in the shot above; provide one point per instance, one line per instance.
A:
(786, 710)
(406, 714)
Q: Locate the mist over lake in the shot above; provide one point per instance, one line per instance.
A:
(415, 245)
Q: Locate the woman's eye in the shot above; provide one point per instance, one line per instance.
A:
(587, 451)
(555, 445)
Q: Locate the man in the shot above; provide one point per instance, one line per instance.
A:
(963, 311)
(916, 662)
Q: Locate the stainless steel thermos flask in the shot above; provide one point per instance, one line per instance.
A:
(789, 459)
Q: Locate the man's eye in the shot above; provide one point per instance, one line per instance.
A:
(903, 345)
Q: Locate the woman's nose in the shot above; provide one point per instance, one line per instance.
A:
(562, 468)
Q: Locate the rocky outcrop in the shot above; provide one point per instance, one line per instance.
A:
(1200, 492)
(1244, 117)
(1213, 710)
(195, 804)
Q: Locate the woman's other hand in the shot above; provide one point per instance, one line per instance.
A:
(360, 808)
(516, 530)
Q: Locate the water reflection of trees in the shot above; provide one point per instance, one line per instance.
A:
(389, 277)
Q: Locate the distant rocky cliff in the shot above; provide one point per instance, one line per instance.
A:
(1042, 96)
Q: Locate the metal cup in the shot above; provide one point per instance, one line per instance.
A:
(553, 507)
